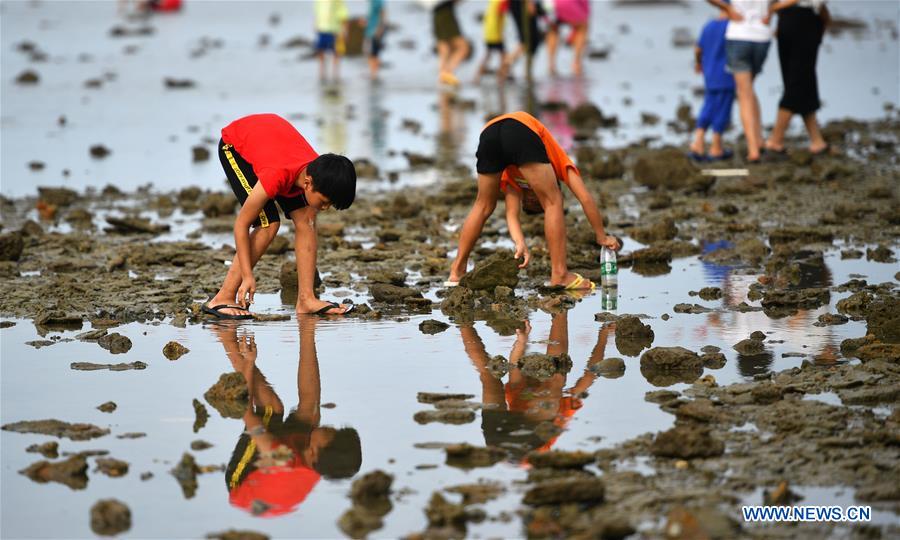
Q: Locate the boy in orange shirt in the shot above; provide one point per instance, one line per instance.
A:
(518, 155)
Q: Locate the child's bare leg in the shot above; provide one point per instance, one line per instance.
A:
(580, 41)
(443, 48)
(335, 63)
(491, 387)
(260, 238)
(552, 42)
(321, 56)
(482, 67)
(543, 180)
(697, 146)
(460, 49)
(485, 202)
(715, 148)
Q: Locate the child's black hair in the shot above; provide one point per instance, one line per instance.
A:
(335, 177)
(343, 455)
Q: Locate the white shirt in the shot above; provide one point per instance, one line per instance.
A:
(752, 27)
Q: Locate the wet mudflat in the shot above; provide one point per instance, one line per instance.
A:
(751, 355)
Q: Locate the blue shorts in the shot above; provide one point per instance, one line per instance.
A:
(716, 111)
(745, 56)
(325, 41)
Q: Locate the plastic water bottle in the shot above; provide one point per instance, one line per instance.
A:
(609, 270)
(609, 298)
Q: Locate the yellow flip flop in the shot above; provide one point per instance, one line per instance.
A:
(576, 283)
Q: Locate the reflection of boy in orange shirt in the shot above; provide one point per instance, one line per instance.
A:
(518, 155)
(277, 462)
(528, 414)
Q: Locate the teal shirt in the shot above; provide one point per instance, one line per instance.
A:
(374, 20)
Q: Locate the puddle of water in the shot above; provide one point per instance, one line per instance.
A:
(371, 372)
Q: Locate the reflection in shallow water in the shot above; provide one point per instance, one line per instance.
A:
(533, 407)
(280, 457)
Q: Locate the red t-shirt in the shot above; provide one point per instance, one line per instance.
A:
(274, 148)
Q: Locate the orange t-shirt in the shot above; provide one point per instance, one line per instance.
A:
(559, 160)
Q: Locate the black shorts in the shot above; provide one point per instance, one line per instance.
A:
(446, 27)
(495, 46)
(242, 179)
(508, 142)
(375, 45)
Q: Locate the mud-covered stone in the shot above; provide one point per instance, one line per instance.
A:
(112, 467)
(58, 428)
(543, 366)
(499, 269)
(686, 442)
(611, 368)
(445, 416)
(11, 246)
(185, 472)
(750, 347)
(657, 232)
(174, 350)
(392, 294)
(229, 395)
(108, 407)
(432, 326)
(48, 449)
(110, 517)
(559, 459)
(115, 343)
(71, 472)
(669, 168)
(434, 397)
(466, 456)
(237, 534)
(578, 490)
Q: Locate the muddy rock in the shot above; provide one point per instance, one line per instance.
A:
(48, 449)
(371, 486)
(32, 228)
(110, 517)
(669, 168)
(397, 278)
(500, 269)
(112, 467)
(803, 235)
(587, 117)
(710, 293)
(650, 255)
(57, 428)
(229, 395)
(658, 232)
(107, 407)
(713, 360)
(671, 358)
(611, 368)
(28, 78)
(199, 154)
(699, 410)
(882, 254)
(856, 305)
(883, 318)
(446, 517)
(115, 343)
(559, 459)
(11, 246)
(218, 204)
(831, 319)
(465, 456)
(359, 521)
(201, 415)
(392, 294)
(71, 472)
(91, 366)
(479, 493)
(98, 151)
(580, 490)
(174, 350)
(543, 366)
(750, 347)
(691, 308)
(686, 442)
(445, 416)
(630, 326)
(134, 225)
(186, 473)
(435, 397)
(236, 534)
(180, 84)
(498, 365)
(795, 298)
(431, 326)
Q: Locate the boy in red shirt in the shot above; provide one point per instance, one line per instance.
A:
(268, 162)
(518, 155)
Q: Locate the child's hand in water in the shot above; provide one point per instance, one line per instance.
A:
(523, 253)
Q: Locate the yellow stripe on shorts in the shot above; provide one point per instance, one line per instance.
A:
(248, 453)
(263, 219)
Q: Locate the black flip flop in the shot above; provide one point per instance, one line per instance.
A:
(216, 312)
(332, 305)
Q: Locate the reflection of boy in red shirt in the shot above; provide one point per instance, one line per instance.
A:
(528, 414)
(279, 460)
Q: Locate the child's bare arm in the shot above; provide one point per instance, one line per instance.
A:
(595, 218)
(245, 218)
(513, 205)
(698, 57)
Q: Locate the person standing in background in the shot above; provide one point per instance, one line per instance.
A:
(375, 26)
(492, 25)
(525, 15)
(330, 18)
(574, 13)
(746, 46)
(718, 94)
(451, 45)
(801, 25)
